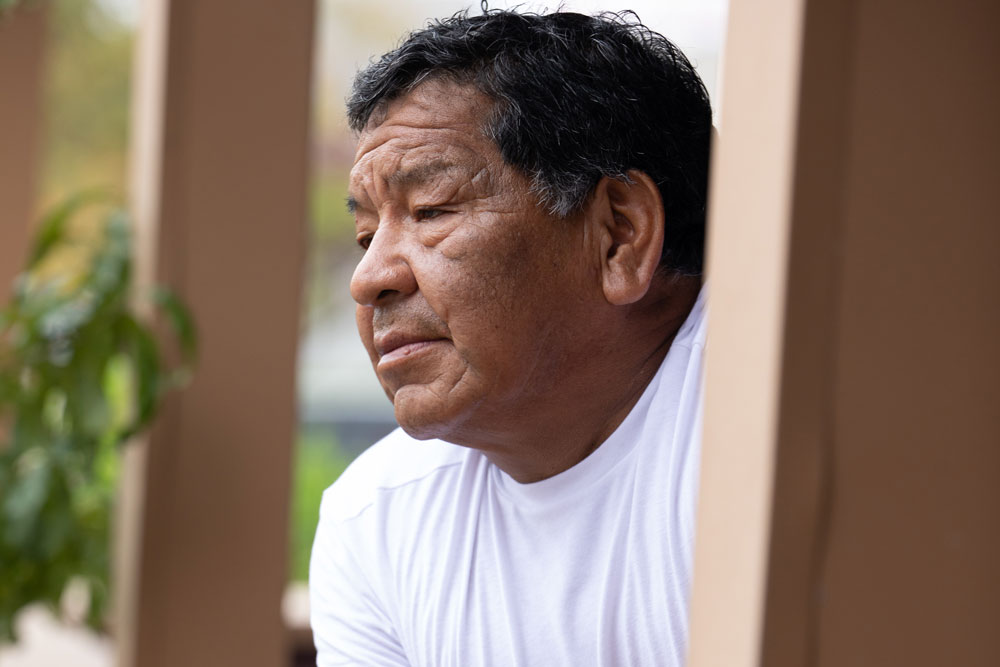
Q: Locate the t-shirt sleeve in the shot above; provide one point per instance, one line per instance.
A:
(350, 625)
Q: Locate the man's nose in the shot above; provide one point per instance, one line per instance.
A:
(384, 270)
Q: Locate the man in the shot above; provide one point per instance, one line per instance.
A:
(530, 194)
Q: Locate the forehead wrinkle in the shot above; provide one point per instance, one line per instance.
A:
(365, 183)
(410, 163)
(413, 134)
(421, 173)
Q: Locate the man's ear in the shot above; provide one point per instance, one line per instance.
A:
(629, 217)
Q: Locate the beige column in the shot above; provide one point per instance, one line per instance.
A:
(220, 185)
(22, 50)
(851, 471)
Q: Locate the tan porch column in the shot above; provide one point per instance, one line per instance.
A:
(22, 50)
(220, 185)
(851, 472)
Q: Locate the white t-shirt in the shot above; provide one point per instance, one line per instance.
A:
(428, 554)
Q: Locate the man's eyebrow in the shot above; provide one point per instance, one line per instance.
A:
(409, 176)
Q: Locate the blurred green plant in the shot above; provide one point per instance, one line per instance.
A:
(80, 373)
(319, 460)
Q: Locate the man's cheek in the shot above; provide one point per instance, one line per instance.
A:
(363, 317)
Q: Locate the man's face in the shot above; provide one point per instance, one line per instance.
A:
(473, 303)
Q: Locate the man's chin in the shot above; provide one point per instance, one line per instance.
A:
(422, 414)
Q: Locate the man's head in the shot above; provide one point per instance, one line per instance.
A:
(515, 279)
(574, 98)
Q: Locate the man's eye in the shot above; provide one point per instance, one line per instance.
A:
(427, 213)
(364, 241)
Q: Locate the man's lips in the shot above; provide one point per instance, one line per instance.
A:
(395, 346)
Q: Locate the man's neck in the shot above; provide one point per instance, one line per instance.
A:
(600, 396)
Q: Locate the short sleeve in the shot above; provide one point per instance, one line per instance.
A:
(350, 625)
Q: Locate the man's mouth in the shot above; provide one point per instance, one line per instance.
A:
(393, 347)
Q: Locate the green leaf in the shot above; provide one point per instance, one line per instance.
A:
(87, 403)
(26, 496)
(144, 357)
(181, 321)
(52, 228)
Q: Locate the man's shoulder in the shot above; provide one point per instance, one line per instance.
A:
(395, 461)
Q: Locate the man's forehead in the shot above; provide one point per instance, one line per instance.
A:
(437, 96)
(430, 112)
(418, 170)
(409, 164)
(430, 134)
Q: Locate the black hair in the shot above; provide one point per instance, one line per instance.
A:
(576, 98)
